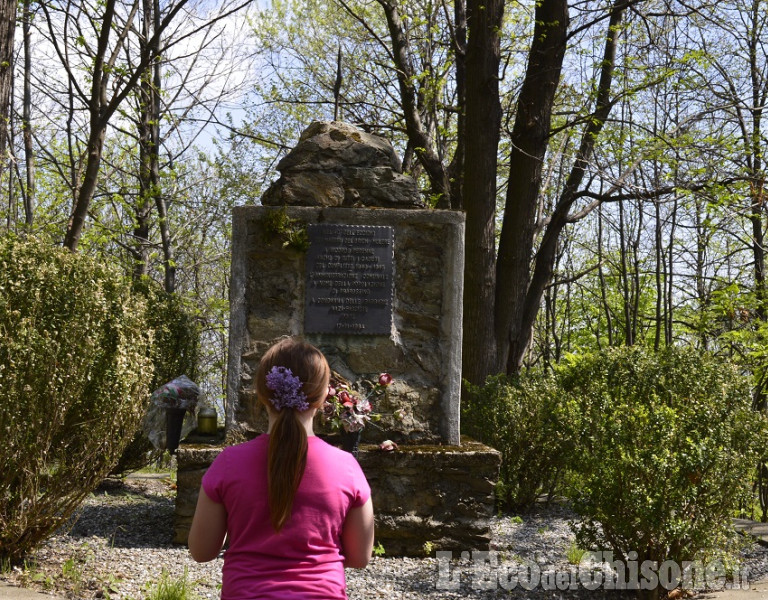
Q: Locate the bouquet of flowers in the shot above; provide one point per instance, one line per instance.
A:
(182, 392)
(347, 409)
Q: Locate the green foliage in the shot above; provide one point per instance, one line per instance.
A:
(528, 422)
(176, 333)
(168, 588)
(290, 232)
(174, 352)
(74, 374)
(668, 445)
(574, 554)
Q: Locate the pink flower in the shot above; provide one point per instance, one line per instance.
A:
(331, 391)
(329, 410)
(346, 399)
(388, 446)
(385, 379)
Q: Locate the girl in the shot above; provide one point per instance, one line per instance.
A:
(296, 510)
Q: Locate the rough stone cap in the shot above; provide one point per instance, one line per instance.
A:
(337, 164)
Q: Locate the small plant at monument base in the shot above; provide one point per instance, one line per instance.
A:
(378, 549)
(170, 588)
(347, 409)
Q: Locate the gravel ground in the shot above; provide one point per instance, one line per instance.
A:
(119, 545)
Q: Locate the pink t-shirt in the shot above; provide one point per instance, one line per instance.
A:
(305, 560)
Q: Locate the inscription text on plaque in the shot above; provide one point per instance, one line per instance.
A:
(349, 279)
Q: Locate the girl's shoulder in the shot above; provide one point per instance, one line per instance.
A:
(258, 444)
(320, 447)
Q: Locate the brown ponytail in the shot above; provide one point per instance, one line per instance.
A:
(287, 455)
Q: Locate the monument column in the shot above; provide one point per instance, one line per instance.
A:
(343, 253)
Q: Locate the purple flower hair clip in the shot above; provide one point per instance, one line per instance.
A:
(286, 388)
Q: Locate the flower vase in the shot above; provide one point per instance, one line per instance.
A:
(350, 441)
(174, 419)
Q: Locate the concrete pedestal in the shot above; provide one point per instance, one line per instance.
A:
(425, 497)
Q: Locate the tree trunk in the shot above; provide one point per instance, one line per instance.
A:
(483, 119)
(97, 107)
(147, 152)
(418, 133)
(625, 287)
(670, 275)
(636, 285)
(101, 107)
(660, 285)
(26, 126)
(456, 168)
(7, 31)
(515, 323)
(169, 264)
(701, 253)
(601, 276)
(530, 138)
(85, 192)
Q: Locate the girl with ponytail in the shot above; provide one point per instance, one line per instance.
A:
(294, 509)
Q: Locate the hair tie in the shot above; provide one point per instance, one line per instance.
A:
(286, 389)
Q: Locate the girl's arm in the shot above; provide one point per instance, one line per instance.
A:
(357, 536)
(209, 527)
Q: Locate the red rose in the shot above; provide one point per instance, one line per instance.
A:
(385, 379)
(346, 399)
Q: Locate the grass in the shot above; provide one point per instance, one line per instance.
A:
(168, 588)
(165, 464)
(72, 569)
(574, 554)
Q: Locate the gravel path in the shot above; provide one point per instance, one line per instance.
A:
(119, 546)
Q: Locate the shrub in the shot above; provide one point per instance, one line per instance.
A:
(527, 420)
(74, 373)
(668, 444)
(175, 351)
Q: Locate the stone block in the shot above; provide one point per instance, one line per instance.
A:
(416, 505)
(423, 349)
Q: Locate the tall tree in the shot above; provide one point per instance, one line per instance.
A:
(482, 117)
(109, 87)
(28, 190)
(7, 62)
(101, 38)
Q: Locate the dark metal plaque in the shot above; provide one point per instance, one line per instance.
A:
(349, 279)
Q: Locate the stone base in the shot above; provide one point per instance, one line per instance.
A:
(425, 498)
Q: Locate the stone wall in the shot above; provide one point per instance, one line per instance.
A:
(425, 498)
(422, 351)
(432, 498)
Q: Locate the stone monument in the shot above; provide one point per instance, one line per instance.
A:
(343, 254)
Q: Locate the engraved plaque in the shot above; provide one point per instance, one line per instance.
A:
(349, 279)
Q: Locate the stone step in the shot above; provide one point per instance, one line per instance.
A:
(757, 530)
